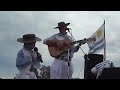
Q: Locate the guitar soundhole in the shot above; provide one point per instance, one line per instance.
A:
(58, 49)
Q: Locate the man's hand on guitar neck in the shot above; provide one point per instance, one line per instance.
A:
(82, 41)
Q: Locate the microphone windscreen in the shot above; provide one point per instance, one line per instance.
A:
(35, 49)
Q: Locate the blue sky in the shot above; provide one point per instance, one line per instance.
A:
(13, 24)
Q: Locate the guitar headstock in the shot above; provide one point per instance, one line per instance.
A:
(83, 41)
(92, 39)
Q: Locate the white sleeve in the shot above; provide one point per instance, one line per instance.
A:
(32, 75)
(53, 37)
(94, 70)
(21, 60)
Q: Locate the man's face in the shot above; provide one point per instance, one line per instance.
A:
(63, 30)
(31, 45)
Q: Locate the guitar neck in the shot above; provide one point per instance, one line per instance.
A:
(79, 41)
(75, 42)
(83, 41)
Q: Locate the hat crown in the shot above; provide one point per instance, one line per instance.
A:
(27, 37)
(61, 24)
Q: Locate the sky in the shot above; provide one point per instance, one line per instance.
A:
(13, 24)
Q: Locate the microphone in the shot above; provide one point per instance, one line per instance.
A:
(39, 56)
(68, 29)
(36, 49)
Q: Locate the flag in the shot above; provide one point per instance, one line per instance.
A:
(98, 44)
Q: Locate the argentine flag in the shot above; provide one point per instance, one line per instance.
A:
(98, 44)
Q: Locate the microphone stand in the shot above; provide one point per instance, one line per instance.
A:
(85, 56)
(68, 64)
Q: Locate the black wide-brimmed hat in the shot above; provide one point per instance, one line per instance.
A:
(28, 38)
(61, 25)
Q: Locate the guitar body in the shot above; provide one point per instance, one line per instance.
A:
(55, 51)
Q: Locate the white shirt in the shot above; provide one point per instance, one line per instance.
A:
(24, 61)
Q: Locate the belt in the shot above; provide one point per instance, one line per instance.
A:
(64, 59)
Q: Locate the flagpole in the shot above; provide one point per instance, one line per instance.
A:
(105, 43)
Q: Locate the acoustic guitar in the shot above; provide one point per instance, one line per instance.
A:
(54, 51)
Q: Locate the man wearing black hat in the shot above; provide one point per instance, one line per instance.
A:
(26, 57)
(62, 67)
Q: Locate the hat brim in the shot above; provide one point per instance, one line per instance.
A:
(60, 27)
(30, 41)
